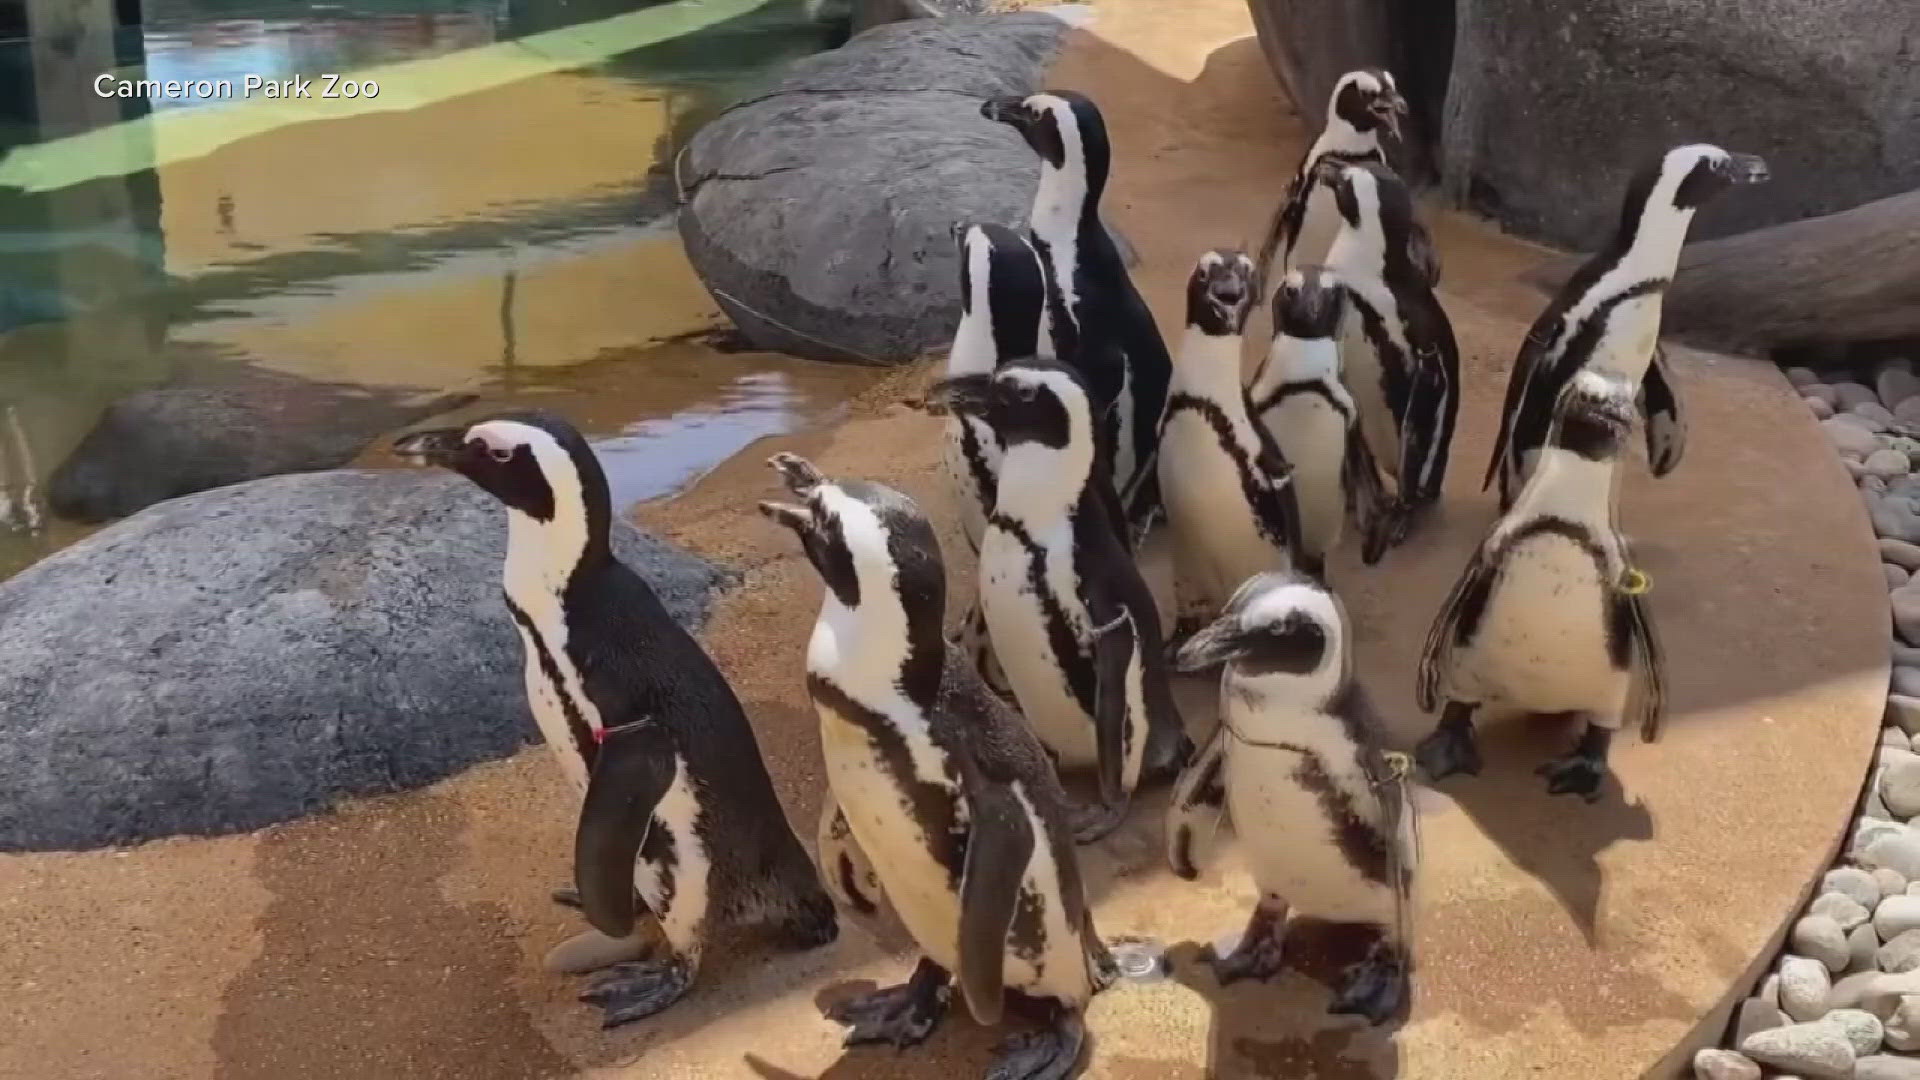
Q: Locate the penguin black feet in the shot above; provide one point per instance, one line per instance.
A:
(638, 989)
(1093, 821)
(1047, 1054)
(1168, 751)
(1260, 954)
(1584, 771)
(1376, 988)
(901, 1015)
(1451, 747)
(567, 896)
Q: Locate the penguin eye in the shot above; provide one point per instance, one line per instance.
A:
(500, 453)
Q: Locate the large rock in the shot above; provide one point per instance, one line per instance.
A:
(1551, 105)
(820, 212)
(246, 655)
(222, 426)
(867, 14)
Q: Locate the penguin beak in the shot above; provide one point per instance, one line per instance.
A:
(1215, 644)
(1389, 109)
(797, 472)
(1745, 169)
(441, 446)
(965, 395)
(1004, 110)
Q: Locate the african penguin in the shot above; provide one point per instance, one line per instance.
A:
(1095, 318)
(941, 784)
(1002, 294)
(1228, 493)
(1397, 346)
(1071, 619)
(1301, 232)
(1298, 396)
(1299, 764)
(1547, 616)
(1608, 314)
(678, 804)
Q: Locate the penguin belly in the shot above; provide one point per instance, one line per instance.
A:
(1318, 226)
(671, 873)
(1292, 845)
(1366, 382)
(972, 454)
(1312, 436)
(1542, 642)
(1216, 540)
(1056, 966)
(1017, 622)
(543, 698)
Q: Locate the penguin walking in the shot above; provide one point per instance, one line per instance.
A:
(1298, 397)
(1002, 295)
(1095, 318)
(1547, 616)
(1608, 314)
(1299, 765)
(1071, 619)
(678, 804)
(1402, 364)
(1228, 491)
(1363, 104)
(943, 785)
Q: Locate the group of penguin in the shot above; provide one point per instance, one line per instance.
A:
(1072, 435)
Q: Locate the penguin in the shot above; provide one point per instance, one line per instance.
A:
(1072, 622)
(1299, 764)
(943, 785)
(678, 805)
(1547, 616)
(1095, 319)
(1298, 397)
(1228, 492)
(1002, 294)
(1608, 313)
(1363, 104)
(1397, 345)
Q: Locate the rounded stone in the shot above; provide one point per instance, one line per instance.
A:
(1842, 910)
(1820, 409)
(1893, 736)
(1895, 916)
(1853, 883)
(1908, 412)
(1804, 986)
(1887, 464)
(1900, 953)
(1863, 948)
(273, 646)
(1770, 990)
(1903, 712)
(1802, 377)
(1850, 436)
(1724, 1065)
(1895, 384)
(1757, 1014)
(1896, 576)
(1904, 680)
(1895, 516)
(1852, 394)
(1884, 843)
(1820, 938)
(1874, 413)
(1900, 783)
(1822, 392)
(1903, 1027)
(1811, 1050)
(1863, 1029)
(1901, 554)
(1871, 485)
(1886, 1067)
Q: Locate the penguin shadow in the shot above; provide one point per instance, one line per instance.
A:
(1280, 1029)
(1556, 838)
(957, 1047)
(366, 969)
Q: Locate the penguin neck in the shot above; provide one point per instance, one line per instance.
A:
(1209, 367)
(543, 556)
(973, 351)
(1066, 203)
(866, 649)
(1653, 249)
(1569, 485)
(1343, 139)
(1293, 359)
(1273, 708)
(1040, 485)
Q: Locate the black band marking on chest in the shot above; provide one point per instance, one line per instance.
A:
(1361, 844)
(930, 805)
(1075, 660)
(984, 480)
(577, 726)
(1473, 606)
(1297, 387)
(1252, 490)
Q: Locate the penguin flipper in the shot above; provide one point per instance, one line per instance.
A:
(1366, 489)
(1652, 662)
(1114, 641)
(1666, 423)
(1276, 243)
(1199, 799)
(1458, 617)
(631, 773)
(1279, 507)
(1533, 353)
(999, 845)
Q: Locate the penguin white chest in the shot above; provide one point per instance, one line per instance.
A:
(1542, 642)
(970, 450)
(1216, 536)
(551, 690)
(1312, 436)
(1020, 615)
(1365, 378)
(1318, 227)
(1296, 822)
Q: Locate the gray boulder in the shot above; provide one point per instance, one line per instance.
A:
(247, 655)
(867, 14)
(219, 426)
(819, 212)
(1551, 106)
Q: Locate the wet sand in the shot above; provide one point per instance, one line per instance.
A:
(403, 936)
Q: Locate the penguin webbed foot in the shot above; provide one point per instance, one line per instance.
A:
(1169, 748)
(567, 896)
(901, 1016)
(1047, 1054)
(637, 989)
(1375, 987)
(1584, 771)
(1095, 820)
(1389, 527)
(1261, 953)
(1451, 747)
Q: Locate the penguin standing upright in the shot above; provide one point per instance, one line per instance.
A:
(1299, 763)
(1095, 318)
(1002, 295)
(678, 804)
(1228, 493)
(1397, 345)
(1547, 616)
(942, 785)
(1072, 621)
(1608, 314)
(1298, 396)
(1301, 231)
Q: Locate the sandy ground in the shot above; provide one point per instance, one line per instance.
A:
(403, 936)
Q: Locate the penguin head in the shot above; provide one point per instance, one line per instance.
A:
(1220, 293)
(1594, 414)
(1027, 401)
(1276, 625)
(861, 537)
(1063, 127)
(534, 462)
(1309, 303)
(1682, 180)
(1377, 210)
(1367, 100)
